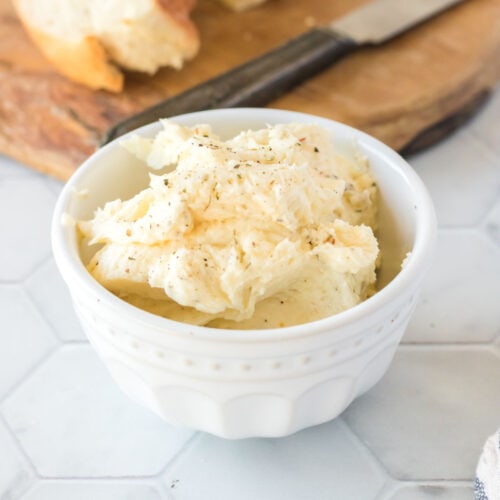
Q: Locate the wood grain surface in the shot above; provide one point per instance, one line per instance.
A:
(421, 81)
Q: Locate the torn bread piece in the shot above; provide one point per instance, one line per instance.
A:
(89, 41)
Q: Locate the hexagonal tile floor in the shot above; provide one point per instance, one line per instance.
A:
(16, 473)
(450, 283)
(71, 400)
(450, 431)
(26, 338)
(42, 285)
(67, 432)
(24, 224)
(295, 467)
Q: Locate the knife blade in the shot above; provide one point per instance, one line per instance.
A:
(260, 80)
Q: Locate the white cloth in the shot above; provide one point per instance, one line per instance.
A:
(487, 482)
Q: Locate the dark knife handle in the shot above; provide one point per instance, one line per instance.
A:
(254, 83)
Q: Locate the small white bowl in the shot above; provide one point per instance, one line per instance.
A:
(248, 383)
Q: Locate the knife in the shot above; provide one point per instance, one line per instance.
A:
(260, 80)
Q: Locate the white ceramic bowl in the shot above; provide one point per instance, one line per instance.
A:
(247, 383)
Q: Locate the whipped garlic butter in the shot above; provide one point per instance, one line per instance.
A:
(268, 229)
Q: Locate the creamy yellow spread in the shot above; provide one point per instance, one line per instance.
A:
(268, 229)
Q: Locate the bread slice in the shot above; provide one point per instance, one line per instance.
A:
(88, 40)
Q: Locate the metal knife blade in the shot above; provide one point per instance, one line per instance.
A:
(265, 78)
(381, 20)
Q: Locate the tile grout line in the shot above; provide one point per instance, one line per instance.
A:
(496, 348)
(76, 342)
(20, 281)
(392, 484)
(487, 239)
(28, 490)
(490, 154)
(31, 371)
(496, 340)
(46, 320)
(490, 237)
(45, 262)
(438, 482)
(106, 480)
(39, 312)
(487, 346)
(162, 489)
(184, 449)
(474, 227)
(387, 492)
(367, 451)
(22, 451)
(15, 282)
(489, 211)
(388, 489)
(145, 478)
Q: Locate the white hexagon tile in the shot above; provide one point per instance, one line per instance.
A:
(319, 463)
(434, 403)
(26, 338)
(71, 400)
(43, 285)
(466, 271)
(16, 473)
(68, 433)
(26, 226)
(463, 179)
(93, 490)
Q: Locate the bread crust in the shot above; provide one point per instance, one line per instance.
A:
(178, 11)
(85, 61)
(164, 36)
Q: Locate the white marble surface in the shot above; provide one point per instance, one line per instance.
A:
(67, 432)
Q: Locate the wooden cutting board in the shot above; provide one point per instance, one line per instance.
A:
(408, 93)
